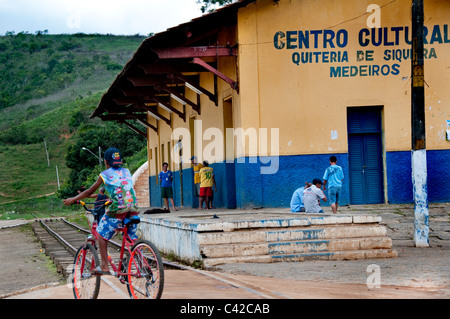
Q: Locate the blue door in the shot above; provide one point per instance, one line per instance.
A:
(365, 155)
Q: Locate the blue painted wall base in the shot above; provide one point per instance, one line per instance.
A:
(241, 184)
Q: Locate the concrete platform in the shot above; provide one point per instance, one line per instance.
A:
(217, 236)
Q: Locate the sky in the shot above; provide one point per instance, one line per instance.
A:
(119, 17)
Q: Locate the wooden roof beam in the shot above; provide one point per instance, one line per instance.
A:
(191, 52)
(126, 100)
(138, 91)
(212, 97)
(178, 97)
(151, 81)
(170, 108)
(176, 67)
(133, 128)
(234, 85)
(132, 108)
(122, 116)
(155, 114)
(154, 128)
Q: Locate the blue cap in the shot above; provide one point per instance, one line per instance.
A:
(113, 157)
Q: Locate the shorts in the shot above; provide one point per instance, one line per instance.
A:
(333, 194)
(166, 192)
(98, 213)
(206, 191)
(197, 190)
(108, 225)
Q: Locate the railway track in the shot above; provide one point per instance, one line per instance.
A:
(61, 239)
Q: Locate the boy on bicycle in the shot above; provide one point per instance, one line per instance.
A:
(119, 187)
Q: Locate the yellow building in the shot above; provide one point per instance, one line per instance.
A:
(267, 91)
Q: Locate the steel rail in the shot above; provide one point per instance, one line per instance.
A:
(165, 262)
(263, 293)
(57, 236)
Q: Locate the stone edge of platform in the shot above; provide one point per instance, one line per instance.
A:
(216, 224)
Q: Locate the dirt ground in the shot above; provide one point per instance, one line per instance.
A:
(415, 273)
(421, 273)
(23, 264)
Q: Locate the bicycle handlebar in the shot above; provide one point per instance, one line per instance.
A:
(107, 203)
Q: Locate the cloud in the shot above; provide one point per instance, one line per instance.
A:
(95, 16)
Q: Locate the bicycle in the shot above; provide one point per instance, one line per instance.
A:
(140, 267)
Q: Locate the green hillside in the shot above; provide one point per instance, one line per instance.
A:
(37, 66)
(49, 85)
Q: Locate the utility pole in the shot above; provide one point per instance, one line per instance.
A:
(418, 153)
(57, 176)
(99, 156)
(46, 151)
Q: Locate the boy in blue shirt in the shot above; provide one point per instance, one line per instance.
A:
(334, 177)
(297, 199)
(165, 179)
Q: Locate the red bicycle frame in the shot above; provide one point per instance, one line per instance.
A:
(127, 243)
(135, 267)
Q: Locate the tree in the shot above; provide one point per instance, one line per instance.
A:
(84, 165)
(211, 5)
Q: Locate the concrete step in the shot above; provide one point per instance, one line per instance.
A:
(292, 233)
(335, 255)
(295, 247)
(247, 236)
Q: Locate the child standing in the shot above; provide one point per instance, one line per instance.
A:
(206, 184)
(165, 180)
(334, 176)
(196, 169)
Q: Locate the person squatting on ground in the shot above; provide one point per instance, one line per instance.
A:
(297, 205)
(312, 196)
(119, 187)
(165, 180)
(333, 176)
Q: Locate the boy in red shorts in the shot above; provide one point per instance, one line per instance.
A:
(206, 184)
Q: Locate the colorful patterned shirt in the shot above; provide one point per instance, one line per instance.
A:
(119, 187)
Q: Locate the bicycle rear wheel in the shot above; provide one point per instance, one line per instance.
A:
(145, 271)
(86, 285)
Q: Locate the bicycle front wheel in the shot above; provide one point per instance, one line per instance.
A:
(145, 271)
(86, 285)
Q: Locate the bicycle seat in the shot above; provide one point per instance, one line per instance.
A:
(130, 220)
